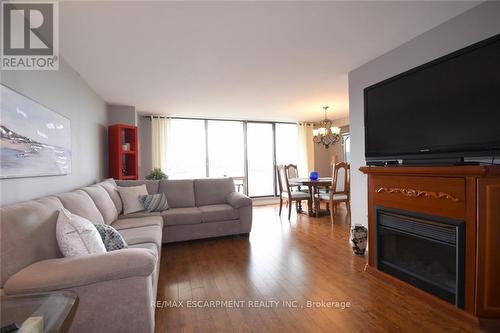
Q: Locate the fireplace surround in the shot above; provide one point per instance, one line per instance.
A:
(455, 211)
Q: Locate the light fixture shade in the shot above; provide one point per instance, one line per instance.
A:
(315, 132)
(322, 130)
(335, 129)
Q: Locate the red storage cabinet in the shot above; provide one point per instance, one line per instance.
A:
(123, 152)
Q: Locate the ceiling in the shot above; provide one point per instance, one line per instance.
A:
(246, 60)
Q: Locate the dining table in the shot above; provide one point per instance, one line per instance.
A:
(313, 187)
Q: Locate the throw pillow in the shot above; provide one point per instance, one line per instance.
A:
(154, 202)
(77, 236)
(110, 237)
(130, 198)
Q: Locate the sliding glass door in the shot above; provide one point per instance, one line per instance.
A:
(260, 159)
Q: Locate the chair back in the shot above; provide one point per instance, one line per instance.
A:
(292, 171)
(283, 183)
(341, 178)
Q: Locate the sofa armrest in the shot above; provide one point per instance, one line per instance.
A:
(71, 272)
(238, 200)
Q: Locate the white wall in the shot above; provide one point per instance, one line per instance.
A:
(472, 26)
(65, 92)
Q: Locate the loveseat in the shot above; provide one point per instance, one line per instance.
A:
(116, 289)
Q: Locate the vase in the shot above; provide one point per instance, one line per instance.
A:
(359, 237)
(314, 175)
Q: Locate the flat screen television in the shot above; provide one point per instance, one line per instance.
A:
(447, 108)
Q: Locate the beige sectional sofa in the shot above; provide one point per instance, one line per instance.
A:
(116, 289)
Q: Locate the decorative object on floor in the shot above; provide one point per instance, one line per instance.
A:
(157, 174)
(111, 238)
(35, 141)
(77, 236)
(154, 202)
(359, 236)
(314, 175)
(326, 134)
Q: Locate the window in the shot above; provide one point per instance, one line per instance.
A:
(226, 149)
(199, 148)
(186, 151)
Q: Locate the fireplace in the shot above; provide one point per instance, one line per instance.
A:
(425, 251)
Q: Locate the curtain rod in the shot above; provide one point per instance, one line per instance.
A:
(246, 120)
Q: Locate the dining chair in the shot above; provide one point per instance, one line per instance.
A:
(293, 172)
(286, 193)
(339, 191)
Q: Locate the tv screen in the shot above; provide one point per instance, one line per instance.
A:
(448, 107)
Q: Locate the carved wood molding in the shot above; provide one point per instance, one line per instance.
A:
(412, 193)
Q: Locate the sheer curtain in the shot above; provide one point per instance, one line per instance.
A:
(306, 149)
(160, 128)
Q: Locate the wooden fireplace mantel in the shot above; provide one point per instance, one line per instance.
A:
(467, 193)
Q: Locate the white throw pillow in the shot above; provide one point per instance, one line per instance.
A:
(130, 198)
(76, 235)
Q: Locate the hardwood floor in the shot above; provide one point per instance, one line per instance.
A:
(305, 259)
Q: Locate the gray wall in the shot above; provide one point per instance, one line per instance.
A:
(65, 92)
(122, 114)
(472, 26)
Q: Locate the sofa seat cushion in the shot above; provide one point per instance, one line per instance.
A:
(138, 222)
(180, 216)
(146, 234)
(148, 246)
(215, 213)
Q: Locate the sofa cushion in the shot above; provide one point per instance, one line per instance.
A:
(110, 186)
(151, 185)
(77, 236)
(178, 216)
(79, 202)
(145, 234)
(212, 191)
(111, 238)
(130, 197)
(215, 213)
(28, 234)
(180, 193)
(154, 202)
(103, 202)
(138, 222)
(138, 214)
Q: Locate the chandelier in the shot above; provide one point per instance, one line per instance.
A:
(326, 133)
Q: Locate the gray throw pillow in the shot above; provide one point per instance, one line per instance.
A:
(110, 237)
(154, 202)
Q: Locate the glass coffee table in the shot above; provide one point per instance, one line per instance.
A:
(52, 312)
